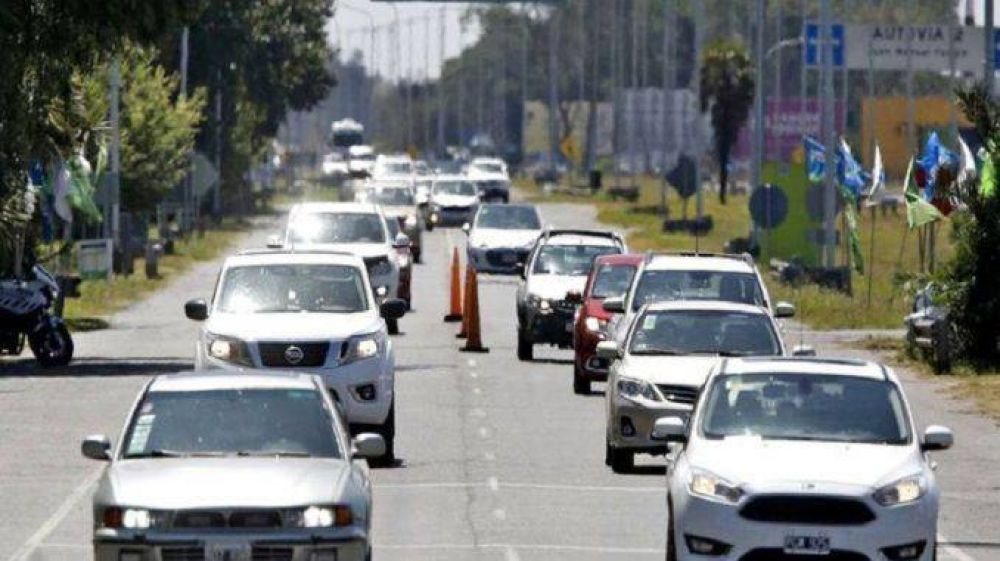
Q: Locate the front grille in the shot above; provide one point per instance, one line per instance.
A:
(199, 519)
(272, 553)
(775, 554)
(278, 355)
(678, 394)
(192, 553)
(830, 511)
(206, 519)
(455, 209)
(496, 257)
(255, 519)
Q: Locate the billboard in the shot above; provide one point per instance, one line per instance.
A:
(927, 47)
(785, 123)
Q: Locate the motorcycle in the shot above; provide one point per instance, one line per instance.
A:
(26, 312)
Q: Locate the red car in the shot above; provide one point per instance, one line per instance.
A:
(611, 275)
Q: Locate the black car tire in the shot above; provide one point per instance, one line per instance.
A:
(393, 326)
(429, 226)
(525, 349)
(42, 346)
(622, 461)
(388, 432)
(671, 542)
(581, 385)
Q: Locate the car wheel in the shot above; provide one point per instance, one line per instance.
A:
(581, 385)
(671, 542)
(52, 346)
(622, 461)
(607, 452)
(429, 226)
(393, 326)
(388, 432)
(416, 256)
(525, 350)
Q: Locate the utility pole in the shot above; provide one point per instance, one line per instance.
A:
(759, 151)
(668, 90)
(699, 31)
(990, 66)
(216, 190)
(525, 40)
(829, 236)
(441, 141)
(114, 178)
(553, 77)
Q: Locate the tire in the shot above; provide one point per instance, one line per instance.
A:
(622, 461)
(581, 385)
(416, 256)
(52, 347)
(525, 350)
(393, 326)
(388, 432)
(671, 554)
(429, 226)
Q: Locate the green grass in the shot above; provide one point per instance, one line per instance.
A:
(100, 299)
(819, 308)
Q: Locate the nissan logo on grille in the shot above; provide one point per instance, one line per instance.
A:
(293, 354)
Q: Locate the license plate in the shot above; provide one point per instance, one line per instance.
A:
(807, 545)
(228, 551)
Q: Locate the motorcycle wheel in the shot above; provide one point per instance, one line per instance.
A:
(52, 347)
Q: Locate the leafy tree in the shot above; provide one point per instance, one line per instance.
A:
(727, 89)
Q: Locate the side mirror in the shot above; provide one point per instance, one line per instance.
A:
(466, 227)
(368, 445)
(937, 437)
(803, 350)
(196, 309)
(96, 447)
(615, 305)
(784, 310)
(669, 429)
(574, 297)
(401, 241)
(609, 350)
(274, 242)
(393, 308)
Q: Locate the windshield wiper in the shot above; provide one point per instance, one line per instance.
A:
(667, 352)
(274, 453)
(163, 453)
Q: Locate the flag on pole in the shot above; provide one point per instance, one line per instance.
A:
(849, 170)
(877, 188)
(967, 170)
(815, 158)
(918, 211)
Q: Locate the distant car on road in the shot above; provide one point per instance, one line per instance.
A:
(233, 467)
(554, 276)
(453, 201)
(309, 311)
(398, 202)
(802, 458)
(501, 237)
(609, 278)
(668, 351)
(360, 160)
(491, 178)
(404, 260)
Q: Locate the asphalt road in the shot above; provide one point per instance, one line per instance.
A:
(499, 460)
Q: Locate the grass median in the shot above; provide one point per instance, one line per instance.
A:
(100, 299)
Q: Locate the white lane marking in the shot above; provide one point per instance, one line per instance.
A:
(493, 483)
(500, 514)
(484, 432)
(541, 547)
(390, 486)
(477, 391)
(586, 488)
(36, 539)
(510, 554)
(489, 456)
(952, 550)
(473, 374)
(52, 545)
(478, 412)
(472, 363)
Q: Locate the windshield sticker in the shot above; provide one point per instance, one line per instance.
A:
(140, 434)
(649, 322)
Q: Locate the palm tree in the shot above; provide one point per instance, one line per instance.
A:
(727, 88)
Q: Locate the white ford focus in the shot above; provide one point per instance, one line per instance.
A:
(784, 458)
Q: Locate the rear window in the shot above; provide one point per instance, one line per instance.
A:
(657, 286)
(612, 281)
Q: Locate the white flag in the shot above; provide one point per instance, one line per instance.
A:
(968, 169)
(878, 179)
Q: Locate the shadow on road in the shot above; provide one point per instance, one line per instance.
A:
(648, 470)
(553, 361)
(94, 367)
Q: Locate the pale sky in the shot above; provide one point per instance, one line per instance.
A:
(418, 41)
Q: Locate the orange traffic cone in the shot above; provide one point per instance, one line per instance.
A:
(455, 314)
(463, 332)
(474, 343)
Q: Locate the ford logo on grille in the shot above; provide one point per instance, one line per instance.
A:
(294, 355)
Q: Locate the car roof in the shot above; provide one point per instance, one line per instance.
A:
(733, 263)
(579, 238)
(355, 208)
(291, 256)
(619, 259)
(807, 365)
(705, 305)
(231, 380)
(450, 177)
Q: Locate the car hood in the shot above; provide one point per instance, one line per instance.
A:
(359, 249)
(455, 200)
(775, 464)
(188, 483)
(291, 326)
(673, 370)
(495, 237)
(555, 287)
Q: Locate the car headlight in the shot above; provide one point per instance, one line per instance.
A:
(902, 491)
(360, 348)
(320, 517)
(594, 325)
(630, 388)
(227, 349)
(541, 303)
(710, 486)
(131, 518)
(410, 222)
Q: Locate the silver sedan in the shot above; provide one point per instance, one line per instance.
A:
(234, 467)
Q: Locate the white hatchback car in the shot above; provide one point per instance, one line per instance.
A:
(790, 458)
(312, 312)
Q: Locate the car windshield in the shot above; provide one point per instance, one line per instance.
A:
(463, 188)
(612, 281)
(571, 260)
(389, 196)
(792, 406)
(508, 217)
(656, 286)
(397, 168)
(716, 332)
(248, 422)
(292, 288)
(488, 167)
(337, 227)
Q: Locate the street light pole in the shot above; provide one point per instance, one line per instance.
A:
(989, 49)
(829, 236)
(759, 152)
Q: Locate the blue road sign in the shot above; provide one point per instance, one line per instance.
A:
(813, 52)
